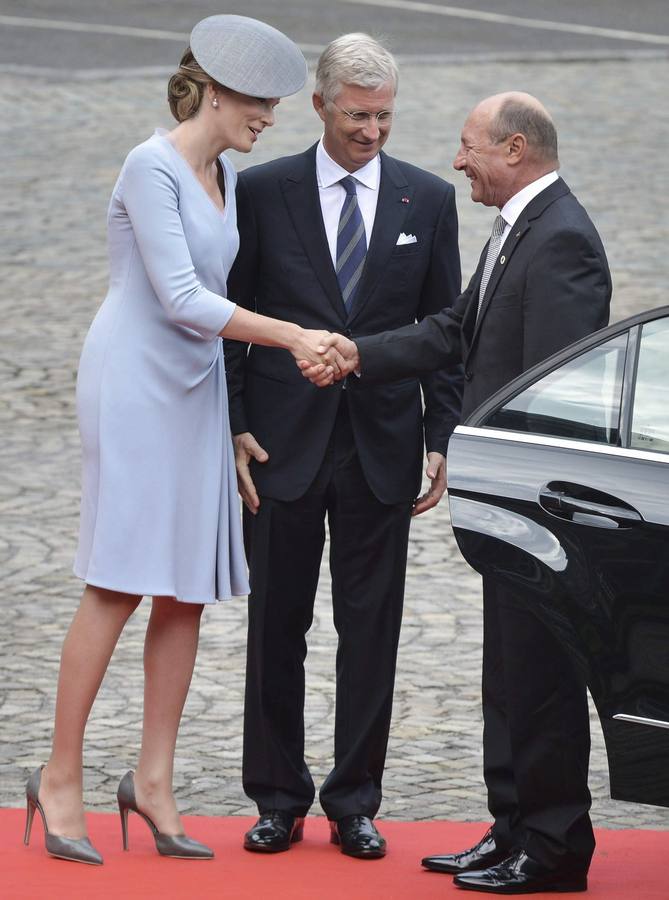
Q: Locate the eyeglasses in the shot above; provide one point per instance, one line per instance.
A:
(385, 117)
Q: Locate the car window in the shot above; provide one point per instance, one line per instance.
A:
(650, 418)
(579, 400)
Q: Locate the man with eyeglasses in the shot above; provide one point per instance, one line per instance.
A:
(345, 238)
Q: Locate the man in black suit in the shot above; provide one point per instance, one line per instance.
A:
(346, 238)
(542, 282)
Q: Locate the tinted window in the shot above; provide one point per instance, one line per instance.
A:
(579, 400)
(650, 419)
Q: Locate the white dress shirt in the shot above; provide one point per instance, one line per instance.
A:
(332, 194)
(513, 208)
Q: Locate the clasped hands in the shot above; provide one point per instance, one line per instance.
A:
(324, 357)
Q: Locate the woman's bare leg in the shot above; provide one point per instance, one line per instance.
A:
(169, 657)
(87, 649)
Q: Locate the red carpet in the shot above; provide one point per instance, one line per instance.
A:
(628, 865)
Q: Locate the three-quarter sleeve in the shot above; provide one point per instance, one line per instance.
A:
(149, 191)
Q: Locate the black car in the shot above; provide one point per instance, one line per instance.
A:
(560, 484)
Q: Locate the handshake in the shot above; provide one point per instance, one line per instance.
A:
(324, 357)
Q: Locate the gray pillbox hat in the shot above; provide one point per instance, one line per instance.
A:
(248, 56)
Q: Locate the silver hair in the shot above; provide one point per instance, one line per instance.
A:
(357, 59)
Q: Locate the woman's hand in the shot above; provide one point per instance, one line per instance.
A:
(314, 346)
(309, 345)
(335, 348)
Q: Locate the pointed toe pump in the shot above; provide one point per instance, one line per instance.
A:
(177, 845)
(74, 849)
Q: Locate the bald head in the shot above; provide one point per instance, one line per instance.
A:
(515, 112)
(507, 142)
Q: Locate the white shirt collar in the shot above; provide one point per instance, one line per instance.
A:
(328, 172)
(514, 207)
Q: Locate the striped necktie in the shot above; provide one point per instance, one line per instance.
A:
(493, 249)
(351, 243)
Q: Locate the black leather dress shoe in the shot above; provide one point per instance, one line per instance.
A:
(482, 855)
(274, 831)
(520, 874)
(357, 836)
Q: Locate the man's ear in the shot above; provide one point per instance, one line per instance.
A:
(516, 148)
(319, 105)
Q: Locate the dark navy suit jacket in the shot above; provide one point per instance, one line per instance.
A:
(284, 269)
(550, 286)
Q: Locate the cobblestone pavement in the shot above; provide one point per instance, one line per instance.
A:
(61, 145)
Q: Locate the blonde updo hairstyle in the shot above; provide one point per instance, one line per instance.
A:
(186, 87)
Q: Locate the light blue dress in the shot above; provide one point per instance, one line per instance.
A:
(159, 508)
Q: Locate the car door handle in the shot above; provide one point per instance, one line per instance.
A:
(562, 504)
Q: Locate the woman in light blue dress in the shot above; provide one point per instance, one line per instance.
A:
(159, 509)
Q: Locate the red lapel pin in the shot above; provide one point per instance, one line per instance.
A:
(405, 200)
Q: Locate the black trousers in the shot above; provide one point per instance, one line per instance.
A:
(536, 735)
(368, 551)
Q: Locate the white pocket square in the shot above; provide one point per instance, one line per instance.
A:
(406, 239)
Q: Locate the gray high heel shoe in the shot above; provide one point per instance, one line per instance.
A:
(75, 849)
(178, 845)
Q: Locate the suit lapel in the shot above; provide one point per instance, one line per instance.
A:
(522, 225)
(300, 191)
(513, 239)
(395, 197)
(468, 327)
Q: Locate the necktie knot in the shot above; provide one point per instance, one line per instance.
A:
(498, 226)
(348, 183)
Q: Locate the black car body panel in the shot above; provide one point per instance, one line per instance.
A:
(579, 519)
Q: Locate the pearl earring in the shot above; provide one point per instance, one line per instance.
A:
(214, 102)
